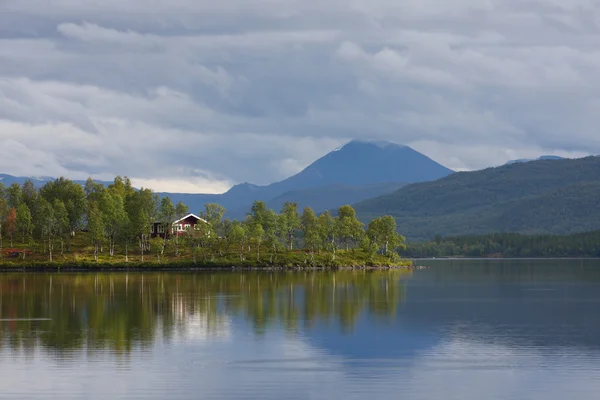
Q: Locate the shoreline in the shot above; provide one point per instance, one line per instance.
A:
(187, 267)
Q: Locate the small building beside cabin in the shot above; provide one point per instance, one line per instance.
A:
(179, 227)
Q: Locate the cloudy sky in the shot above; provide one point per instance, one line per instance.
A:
(196, 95)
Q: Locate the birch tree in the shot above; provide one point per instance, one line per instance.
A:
(95, 228)
(290, 223)
(310, 227)
(113, 216)
(166, 216)
(24, 221)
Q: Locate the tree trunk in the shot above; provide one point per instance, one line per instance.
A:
(126, 252)
(50, 248)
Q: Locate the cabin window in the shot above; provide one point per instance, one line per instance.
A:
(187, 226)
(161, 229)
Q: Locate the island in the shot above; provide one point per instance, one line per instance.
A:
(67, 226)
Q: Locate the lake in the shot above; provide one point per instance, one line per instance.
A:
(456, 330)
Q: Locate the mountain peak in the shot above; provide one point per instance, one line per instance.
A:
(382, 144)
(364, 162)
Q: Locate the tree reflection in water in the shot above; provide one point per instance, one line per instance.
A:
(120, 311)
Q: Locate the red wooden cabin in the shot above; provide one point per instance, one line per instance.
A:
(179, 227)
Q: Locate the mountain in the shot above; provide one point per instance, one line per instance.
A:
(354, 172)
(524, 160)
(545, 196)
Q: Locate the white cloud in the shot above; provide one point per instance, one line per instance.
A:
(255, 91)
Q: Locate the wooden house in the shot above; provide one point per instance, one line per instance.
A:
(179, 227)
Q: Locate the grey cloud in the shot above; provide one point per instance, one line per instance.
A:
(234, 91)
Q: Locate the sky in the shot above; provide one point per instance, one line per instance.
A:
(198, 95)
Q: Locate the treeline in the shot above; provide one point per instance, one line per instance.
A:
(118, 219)
(586, 244)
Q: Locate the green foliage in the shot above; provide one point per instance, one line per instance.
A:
(312, 233)
(289, 222)
(213, 214)
(541, 197)
(382, 233)
(118, 217)
(14, 195)
(585, 244)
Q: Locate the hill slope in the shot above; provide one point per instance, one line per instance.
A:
(546, 196)
(333, 196)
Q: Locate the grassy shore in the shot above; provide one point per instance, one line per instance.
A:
(81, 258)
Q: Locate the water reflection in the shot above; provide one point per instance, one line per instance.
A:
(120, 311)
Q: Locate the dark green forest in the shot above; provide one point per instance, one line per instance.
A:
(540, 197)
(586, 244)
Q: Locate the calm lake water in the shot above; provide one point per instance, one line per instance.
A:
(457, 330)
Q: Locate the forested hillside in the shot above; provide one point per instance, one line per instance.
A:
(586, 244)
(546, 196)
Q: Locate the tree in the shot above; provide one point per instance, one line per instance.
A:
(166, 216)
(181, 210)
(92, 190)
(62, 222)
(73, 197)
(114, 216)
(11, 224)
(29, 193)
(256, 235)
(95, 228)
(328, 231)
(126, 235)
(312, 234)
(157, 244)
(24, 221)
(141, 209)
(213, 214)
(289, 222)
(382, 232)
(237, 236)
(349, 229)
(272, 235)
(53, 216)
(14, 195)
(202, 237)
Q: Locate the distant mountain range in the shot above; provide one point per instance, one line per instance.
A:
(357, 171)
(546, 196)
(38, 182)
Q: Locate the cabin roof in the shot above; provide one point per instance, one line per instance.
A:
(191, 215)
